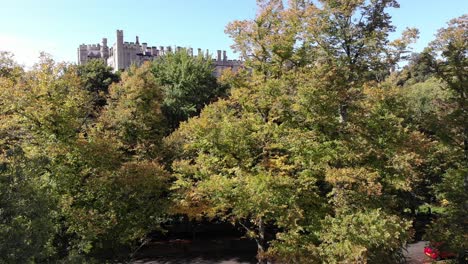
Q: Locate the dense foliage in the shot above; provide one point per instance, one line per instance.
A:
(97, 77)
(188, 85)
(322, 149)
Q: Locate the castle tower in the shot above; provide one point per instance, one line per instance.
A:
(119, 53)
(104, 50)
(82, 54)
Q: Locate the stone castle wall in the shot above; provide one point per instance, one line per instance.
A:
(123, 54)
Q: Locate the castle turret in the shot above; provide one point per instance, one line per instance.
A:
(119, 58)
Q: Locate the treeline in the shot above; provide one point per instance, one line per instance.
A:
(321, 149)
(83, 170)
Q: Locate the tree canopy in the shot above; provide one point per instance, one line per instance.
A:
(322, 150)
(188, 84)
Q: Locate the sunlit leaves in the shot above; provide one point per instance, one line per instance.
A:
(133, 115)
(364, 237)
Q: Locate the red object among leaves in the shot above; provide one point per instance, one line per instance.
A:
(436, 251)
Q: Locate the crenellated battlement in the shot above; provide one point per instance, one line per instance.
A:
(123, 54)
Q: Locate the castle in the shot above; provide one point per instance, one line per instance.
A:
(123, 54)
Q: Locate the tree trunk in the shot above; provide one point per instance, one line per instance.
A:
(343, 111)
(261, 243)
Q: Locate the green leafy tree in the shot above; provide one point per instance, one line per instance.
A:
(28, 207)
(450, 66)
(257, 160)
(102, 172)
(43, 111)
(347, 38)
(351, 38)
(334, 127)
(117, 188)
(448, 57)
(49, 102)
(97, 77)
(375, 168)
(426, 109)
(273, 42)
(236, 162)
(134, 114)
(188, 85)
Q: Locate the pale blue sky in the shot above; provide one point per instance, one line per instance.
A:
(59, 26)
